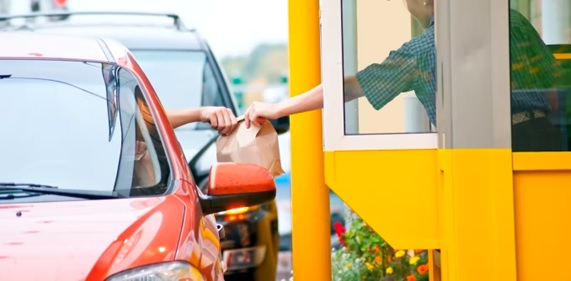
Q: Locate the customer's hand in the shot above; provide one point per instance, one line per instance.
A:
(219, 118)
(144, 174)
(260, 112)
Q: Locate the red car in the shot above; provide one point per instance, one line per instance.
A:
(93, 182)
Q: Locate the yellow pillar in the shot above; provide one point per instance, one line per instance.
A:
(310, 196)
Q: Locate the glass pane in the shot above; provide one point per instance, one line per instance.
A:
(178, 77)
(540, 32)
(148, 165)
(57, 129)
(182, 79)
(60, 125)
(390, 75)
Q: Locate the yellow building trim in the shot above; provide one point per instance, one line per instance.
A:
(395, 192)
(477, 215)
(541, 161)
(542, 211)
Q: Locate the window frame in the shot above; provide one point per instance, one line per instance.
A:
(334, 137)
(169, 181)
(476, 64)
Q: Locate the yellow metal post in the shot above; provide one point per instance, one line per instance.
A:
(310, 196)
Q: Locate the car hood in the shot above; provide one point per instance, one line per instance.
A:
(67, 240)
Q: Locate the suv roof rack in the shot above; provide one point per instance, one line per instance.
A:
(176, 19)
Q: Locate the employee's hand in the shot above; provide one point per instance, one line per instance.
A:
(260, 112)
(219, 118)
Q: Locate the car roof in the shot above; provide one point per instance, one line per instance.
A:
(47, 46)
(133, 36)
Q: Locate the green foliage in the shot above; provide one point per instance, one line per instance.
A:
(367, 256)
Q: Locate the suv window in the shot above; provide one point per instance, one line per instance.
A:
(182, 79)
(77, 125)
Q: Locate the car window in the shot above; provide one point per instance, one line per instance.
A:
(182, 79)
(77, 125)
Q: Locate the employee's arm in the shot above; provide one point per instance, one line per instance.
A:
(313, 99)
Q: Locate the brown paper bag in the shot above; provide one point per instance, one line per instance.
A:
(257, 145)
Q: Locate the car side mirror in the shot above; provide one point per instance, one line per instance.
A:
(281, 124)
(237, 185)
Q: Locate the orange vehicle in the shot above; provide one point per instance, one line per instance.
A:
(93, 182)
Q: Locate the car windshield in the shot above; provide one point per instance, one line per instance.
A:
(182, 79)
(64, 126)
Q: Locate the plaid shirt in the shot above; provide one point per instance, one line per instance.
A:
(413, 68)
(535, 73)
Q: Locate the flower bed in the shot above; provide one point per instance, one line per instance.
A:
(364, 255)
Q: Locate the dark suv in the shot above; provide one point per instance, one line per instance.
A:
(185, 74)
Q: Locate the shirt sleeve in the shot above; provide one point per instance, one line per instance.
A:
(533, 65)
(382, 82)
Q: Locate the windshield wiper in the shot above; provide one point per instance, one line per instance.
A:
(49, 189)
(5, 76)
